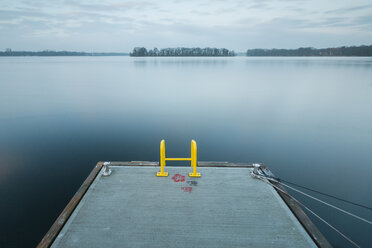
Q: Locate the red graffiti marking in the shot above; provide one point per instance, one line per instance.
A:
(187, 189)
(178, 178)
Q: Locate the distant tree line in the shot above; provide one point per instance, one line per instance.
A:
(181, 51)
(309, 51)
(9, 52)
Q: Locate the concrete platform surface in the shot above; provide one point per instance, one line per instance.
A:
(226, 207)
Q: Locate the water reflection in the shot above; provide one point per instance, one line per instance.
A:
(308, 119)
(176, 61)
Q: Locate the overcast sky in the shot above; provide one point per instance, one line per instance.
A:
(117, 25)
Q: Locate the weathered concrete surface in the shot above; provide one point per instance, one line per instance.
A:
(226, 207)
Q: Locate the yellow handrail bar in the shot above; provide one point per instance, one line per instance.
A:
(161, 173)
(177, 159)
(193, 160)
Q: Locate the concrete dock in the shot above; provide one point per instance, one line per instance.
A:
(225, 207)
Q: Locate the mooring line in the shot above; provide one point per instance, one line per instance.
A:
(263, 178)
(328, 204)
(277, 180)
(325, 194)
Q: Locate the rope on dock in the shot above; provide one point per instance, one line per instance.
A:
(316, 199)
(316, 215)
(322, 193)
(328, 204)
(268, 180)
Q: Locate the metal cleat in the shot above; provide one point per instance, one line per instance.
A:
(106, 169)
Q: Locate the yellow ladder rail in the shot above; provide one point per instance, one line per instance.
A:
(177, 159)
(193, 160)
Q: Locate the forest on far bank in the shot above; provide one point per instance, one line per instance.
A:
(309, 51)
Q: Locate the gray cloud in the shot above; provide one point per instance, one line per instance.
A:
(259, 5)
(364, 20)
(119, 25)
(349, 9)
(114, 6)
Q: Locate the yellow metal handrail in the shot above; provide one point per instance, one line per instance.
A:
(193, 160)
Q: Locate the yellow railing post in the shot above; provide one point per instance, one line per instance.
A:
(194, 160)
(161, 173)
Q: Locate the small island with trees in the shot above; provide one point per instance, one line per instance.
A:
(182, 52)
(309, 51)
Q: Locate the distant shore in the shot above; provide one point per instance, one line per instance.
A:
(8, 52)
(309, 52)
(351, 51)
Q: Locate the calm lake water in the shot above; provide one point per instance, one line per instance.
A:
(308, 119)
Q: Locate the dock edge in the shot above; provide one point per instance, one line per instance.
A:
(62, 219)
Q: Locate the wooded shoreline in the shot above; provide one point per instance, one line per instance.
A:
(309, 51)
(356, 51)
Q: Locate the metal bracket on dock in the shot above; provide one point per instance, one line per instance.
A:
(256, 171)
(106, 169)
(193, 160)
